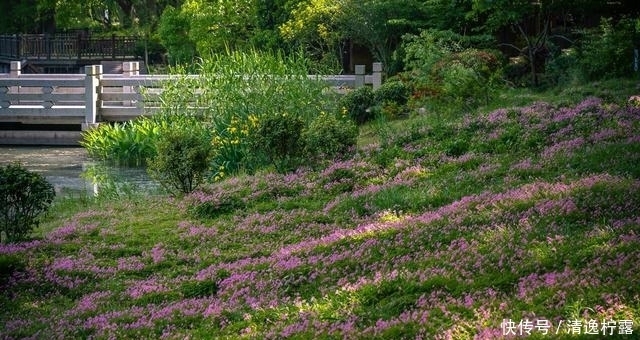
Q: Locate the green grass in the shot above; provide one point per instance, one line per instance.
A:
(439, 227)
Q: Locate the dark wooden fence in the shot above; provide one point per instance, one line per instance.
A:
(66, 47)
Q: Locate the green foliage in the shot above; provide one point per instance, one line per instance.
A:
(199, 289)
(279, 138)
(358, 103)
(216, 25)
(314, 25)
(608, 51)
(379, 25)
(559, 70)
(133, 142)
(321, 26)
(152, 48)
(8, 265)
(24, 195)
(470, 77)
(212, 208)
(182, 160)
(235, 91)
(390, 100)
(173, 32)
(394, 91)
(20, 17)
(329, 136)
(444, 67)
(129, 143)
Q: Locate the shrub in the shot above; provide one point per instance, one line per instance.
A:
(24, 195)
(9, 264)
(357, 104)
(467, 78)
(172, 32)
(608, 51)
(182, 160)
(329, 136)
(561, 70)
(451, 69)
(279, 138)
(392, 92)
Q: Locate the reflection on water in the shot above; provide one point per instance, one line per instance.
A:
(70, 169)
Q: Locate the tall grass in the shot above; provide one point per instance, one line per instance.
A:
(128, 143)
(235, 90)
(230, 95)
(133, 142)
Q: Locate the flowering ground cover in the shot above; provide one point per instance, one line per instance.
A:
(521, 220)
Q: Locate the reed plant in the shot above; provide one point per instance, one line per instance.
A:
(128, 143)
(235, 91)
(229, 97)
(133, 142)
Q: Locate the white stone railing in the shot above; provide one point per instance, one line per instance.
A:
(95, 97)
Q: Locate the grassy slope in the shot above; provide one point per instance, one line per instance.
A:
(443, 230)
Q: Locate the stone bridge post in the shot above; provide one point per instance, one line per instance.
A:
(93, 74)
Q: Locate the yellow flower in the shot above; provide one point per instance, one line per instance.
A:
(253, 120)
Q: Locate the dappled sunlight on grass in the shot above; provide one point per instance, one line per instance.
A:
(443, 233)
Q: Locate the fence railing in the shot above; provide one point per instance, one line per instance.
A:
(95, 97)
(66, 47)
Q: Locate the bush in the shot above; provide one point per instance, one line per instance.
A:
(9, 263)
(24, 195)
(561, 68)
(467, 78)
(182, 160)
(454, 70)
(133, 142)
(392, 92)
(329, 136)
(279, 138)
(358, 103)
(607, 52)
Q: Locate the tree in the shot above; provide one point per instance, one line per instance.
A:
(497, 14)
(219, 24)
(28, 16)
(380, 25)
(24, 195)
(532, 21)
(375, 24)
(173, 32)
(270, 14)
(315, 25)
(182, 160)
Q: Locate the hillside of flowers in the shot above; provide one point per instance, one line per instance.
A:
(520, 222)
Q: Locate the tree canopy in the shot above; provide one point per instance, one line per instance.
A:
(322, 28)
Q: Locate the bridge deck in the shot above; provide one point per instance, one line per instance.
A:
(65, 49)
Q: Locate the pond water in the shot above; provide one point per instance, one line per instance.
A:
(70, 169)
